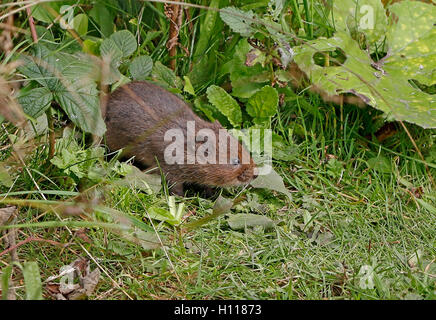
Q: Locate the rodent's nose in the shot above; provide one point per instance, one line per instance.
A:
(254, 176)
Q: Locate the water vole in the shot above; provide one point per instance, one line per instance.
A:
(147, 120)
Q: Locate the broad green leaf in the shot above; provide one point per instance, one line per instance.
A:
(188, 86)
(80, 24)
(36, 101)
(109, 48)
(41, 66)
(125, 41)
(281, 149)
(104, 18)
(360, 16)
(387, 91)
(70, 79)
(412, 42)
(137, 179)
(82, 106)
(380, 164)
(32, 281)
(222, 205)
(246, 80)
(165, 75)
(263, 104)
(43, 11)
(225, 104)
(5, 178)
(241, 221)
(6, 275)
(271, 181)
(140, 68)
(206, 29)
(239, 21)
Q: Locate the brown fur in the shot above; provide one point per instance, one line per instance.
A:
(137, 117)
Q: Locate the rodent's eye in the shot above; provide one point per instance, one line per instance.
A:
(235, 161)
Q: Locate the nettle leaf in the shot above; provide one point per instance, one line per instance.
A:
(411, 41)
(82, 105)
(263, 104)
(165, 75)
(238, 20)
(36, 101)
(390, 91)
(360, 16)
(69, 79)
(225, 104)
(40, 66)
(140, 68)
(109, 48)
(125, 41)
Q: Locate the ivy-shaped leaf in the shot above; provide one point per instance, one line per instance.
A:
(225, 104)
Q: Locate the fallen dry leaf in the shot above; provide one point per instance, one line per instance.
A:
(68, 287)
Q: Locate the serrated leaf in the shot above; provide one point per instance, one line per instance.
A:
(241, 221)
(82, 106)
(40, 66)
(140, 68)
(36, 101)
(225, 104)
(125, 41)
(32, 281)
(263, 104)
(109, 48)
(239, 21)
(165, 75)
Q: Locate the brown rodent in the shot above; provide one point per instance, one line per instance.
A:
(139, 114)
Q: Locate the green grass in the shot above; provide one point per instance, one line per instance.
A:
(356, 202)
(344, 215)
